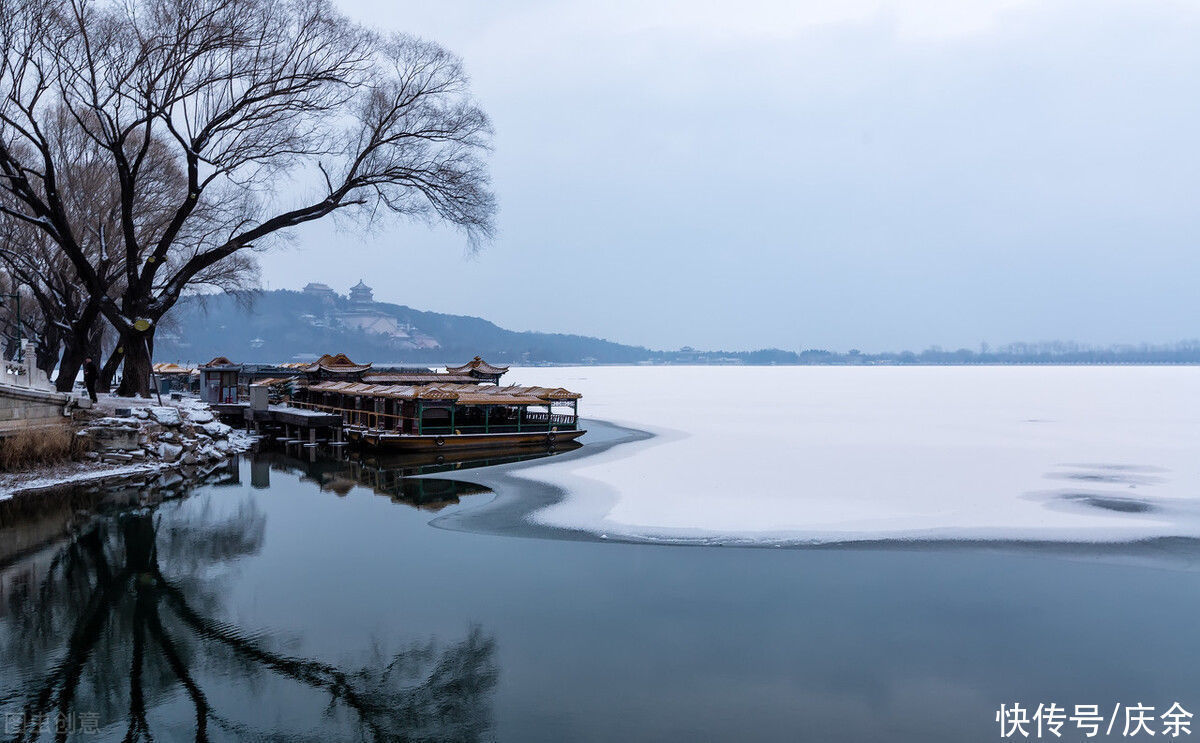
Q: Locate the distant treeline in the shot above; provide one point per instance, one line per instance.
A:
(1055, 352)
(281, 325)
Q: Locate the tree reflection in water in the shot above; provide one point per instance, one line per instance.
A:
(135, 601)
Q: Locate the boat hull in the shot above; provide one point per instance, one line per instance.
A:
(459, 442)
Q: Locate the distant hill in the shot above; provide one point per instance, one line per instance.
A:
(281, 325)
(284, 325)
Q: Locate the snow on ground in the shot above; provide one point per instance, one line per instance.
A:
(830, 454)
(169, 413)
(109, 403)
(70, 473)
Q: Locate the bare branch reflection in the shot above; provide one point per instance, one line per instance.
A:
(128, 616)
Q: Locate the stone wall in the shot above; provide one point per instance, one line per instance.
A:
(167, 435)
(22, 408)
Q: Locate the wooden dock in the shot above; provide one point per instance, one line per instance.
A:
(304, 424)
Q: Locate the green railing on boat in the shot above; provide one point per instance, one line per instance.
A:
(526, 422)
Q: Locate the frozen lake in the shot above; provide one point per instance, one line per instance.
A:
(841, 454)
(296, 600)
(295, 597)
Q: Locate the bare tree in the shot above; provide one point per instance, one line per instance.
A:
(71, 315)
(245, 117)
(61, 315)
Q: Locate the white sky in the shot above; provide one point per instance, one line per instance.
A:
(813, 174)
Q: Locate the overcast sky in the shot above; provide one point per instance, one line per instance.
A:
(832, 174)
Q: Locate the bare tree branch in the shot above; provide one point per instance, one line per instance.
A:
(212, 128)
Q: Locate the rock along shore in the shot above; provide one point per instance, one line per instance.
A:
(131, 437)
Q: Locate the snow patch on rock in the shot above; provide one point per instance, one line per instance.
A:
(199, 415)
(169, 452)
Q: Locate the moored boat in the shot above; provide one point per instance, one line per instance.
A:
(458, 441)
(465, 407)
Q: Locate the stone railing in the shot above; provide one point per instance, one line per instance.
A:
(25, 373)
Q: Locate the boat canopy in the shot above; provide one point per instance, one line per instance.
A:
(477, 365)
(462, 394)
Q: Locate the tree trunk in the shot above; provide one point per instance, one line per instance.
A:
(109, 370)
(95, 344)
(138, 536)
(69, 365)
(47, 349)
(77, 346)
(135, 366)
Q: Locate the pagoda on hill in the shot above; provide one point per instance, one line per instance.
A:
(360, 293)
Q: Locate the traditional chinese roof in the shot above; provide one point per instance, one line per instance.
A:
(171, 368)
(348, 388)
(477, 365)
(554, 393)
(462, 394)
(338, 364)
(274, 380)
(415, 378)
(220, 362)
(474, 398)
(434, 392)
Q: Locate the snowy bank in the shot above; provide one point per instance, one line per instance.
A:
(844, 454)
(133, 437)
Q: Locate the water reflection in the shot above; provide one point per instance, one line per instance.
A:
(392, 475)
(34, 520)
(127, 618)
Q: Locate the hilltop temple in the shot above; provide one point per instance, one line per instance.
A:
(360, 293)
(362, 313)
(321, 291)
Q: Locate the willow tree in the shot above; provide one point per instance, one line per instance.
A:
(249, 117)
(69, 313)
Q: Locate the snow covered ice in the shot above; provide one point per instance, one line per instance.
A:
(833, 454)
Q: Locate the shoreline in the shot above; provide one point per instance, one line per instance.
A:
(89, 473)
(518, 498)
(32, 483)
(158, 449)
(76, 472)
(40, 517)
